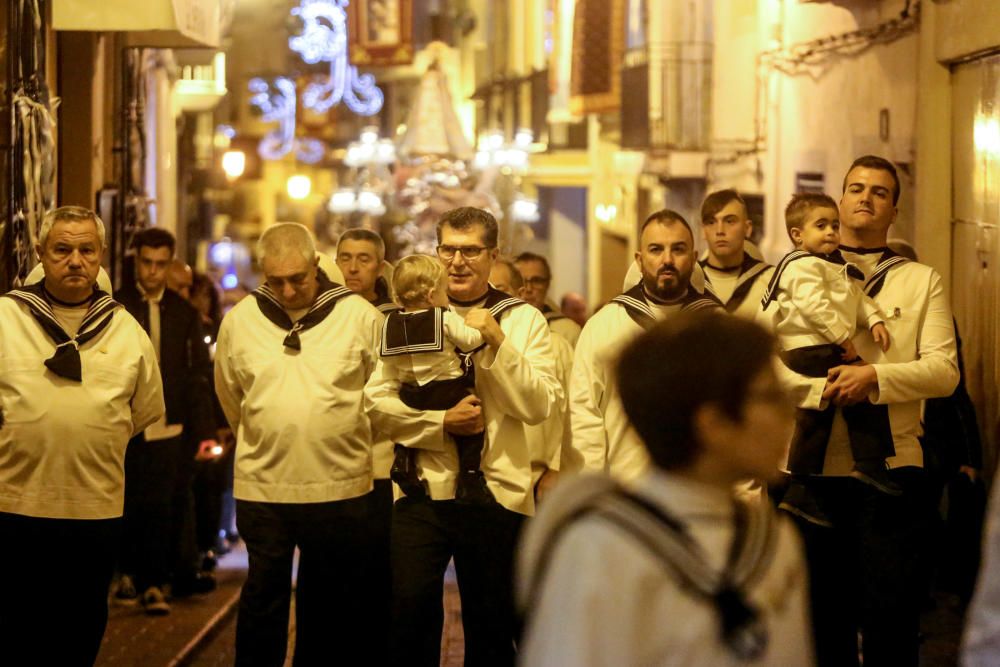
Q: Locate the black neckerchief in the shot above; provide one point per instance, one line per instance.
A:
(66, 361)
(749, 271)
(413, 333)
(551, 314)
(834, 257)
(886, 261)
(637, 306)
(668, 538)
(327, 296)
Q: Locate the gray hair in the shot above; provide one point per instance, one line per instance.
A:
(360, 234)
(285, 237)
(69, 214)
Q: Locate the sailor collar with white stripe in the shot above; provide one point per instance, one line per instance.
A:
(749, 271)
(552, 314)
(637, 306)
(66, 360)
(834, 257)
(327, 296)
(887, 260)
(413, 332)
(494, 300)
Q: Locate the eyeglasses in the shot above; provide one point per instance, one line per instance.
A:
(536, 281)
(447, 252)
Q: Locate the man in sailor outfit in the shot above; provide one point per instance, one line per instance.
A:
(602, 438)
(78, 378)
(515, 387)
(290, 368)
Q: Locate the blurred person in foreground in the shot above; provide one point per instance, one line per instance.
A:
(672, 568)
(79, 378)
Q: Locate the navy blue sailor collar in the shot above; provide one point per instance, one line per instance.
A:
(888, 259)
(327, 296)
(636, 304)
(749, 271)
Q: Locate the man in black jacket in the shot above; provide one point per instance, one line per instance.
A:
(159, 463)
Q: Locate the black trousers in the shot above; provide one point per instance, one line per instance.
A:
(330, 591)
(867, 424)
(54, 579)
(426, 534)
(379, 587)
(868, 572)
(442, 395)
(147, 527)
(209, 484)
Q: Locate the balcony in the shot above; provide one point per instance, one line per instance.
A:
(666, 97)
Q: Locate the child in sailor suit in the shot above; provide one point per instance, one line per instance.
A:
(819, 304)
(426, 346)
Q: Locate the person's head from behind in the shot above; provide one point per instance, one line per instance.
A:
(180, 278)
(70, 247)
(419, 281)
(574, 306)
(467, 246)
(154, 251)
(505, 277)
(537, 277)
(204, 296)
(725, 226)
(360, 253)
(813, 223)
(666, 255)
(287, 255)
(711, 416)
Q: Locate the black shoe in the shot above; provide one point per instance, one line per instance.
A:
(404, 472)
(801, 502)
(876, 474)
(200, 582)
(472, 490)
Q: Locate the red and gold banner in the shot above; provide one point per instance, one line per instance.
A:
(598, 46)
(380, 32)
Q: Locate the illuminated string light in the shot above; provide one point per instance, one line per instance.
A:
(324, 39)
(278, 106)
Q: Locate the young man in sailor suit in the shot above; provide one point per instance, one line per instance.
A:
(602, 438)
(515, 387)
(78, 379)
(867, 571)
(537, 277)
(673, 568)
(732, 275)
(290, 368)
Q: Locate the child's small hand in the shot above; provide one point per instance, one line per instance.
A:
(482, 320)
(881, 336)
(850, 354)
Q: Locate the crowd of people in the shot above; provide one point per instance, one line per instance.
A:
(725, 460)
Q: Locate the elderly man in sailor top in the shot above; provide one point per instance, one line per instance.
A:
(290, 369)
(515, 387)
(602, 437)
(78, 378)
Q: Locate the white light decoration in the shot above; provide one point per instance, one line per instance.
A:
(279, 107)
(324, 39)
(234, 163)
(493, 151)
(342, 201)
(299, 186)
(523, 209)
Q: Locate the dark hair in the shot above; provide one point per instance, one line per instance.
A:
(880, 163)
(670, 371)
(534, 257)
(516, 279)
(362, 234)
(202, 283)
(801, 204)
(154, 237)
(464, 217)
(718, 200)
(665, 217)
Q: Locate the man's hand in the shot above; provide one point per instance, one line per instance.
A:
(847, 385)
(466, 418)
(881, 335)
(482, 320)
(545, 484)
(208, 450)
(850, 353)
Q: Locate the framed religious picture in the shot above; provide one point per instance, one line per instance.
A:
(380, 32)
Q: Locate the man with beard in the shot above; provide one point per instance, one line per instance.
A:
(602, 438)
